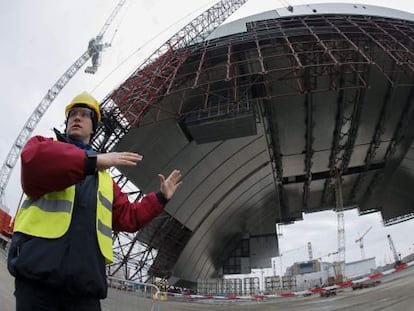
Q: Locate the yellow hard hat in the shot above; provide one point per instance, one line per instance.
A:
(87, 100)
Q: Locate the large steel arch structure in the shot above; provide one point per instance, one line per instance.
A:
(259, 118)
(149, 81)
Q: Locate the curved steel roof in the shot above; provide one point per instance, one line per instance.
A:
(259, 121)
(314, 9)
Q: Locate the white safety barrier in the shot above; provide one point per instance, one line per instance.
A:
(125, 295)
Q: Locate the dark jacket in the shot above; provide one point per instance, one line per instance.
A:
(72, 263)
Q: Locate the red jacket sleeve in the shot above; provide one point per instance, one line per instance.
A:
(131, 217)
(49, 165)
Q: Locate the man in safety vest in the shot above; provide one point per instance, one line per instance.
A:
(63, 231)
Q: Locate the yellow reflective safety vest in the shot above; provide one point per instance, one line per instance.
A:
(50, 215)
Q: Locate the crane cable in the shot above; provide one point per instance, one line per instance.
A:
(119, 24)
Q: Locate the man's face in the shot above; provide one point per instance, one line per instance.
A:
(80, 126)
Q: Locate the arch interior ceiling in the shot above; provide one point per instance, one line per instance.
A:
(259, 121)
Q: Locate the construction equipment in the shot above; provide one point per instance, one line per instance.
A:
(366, 284)
(397, 260)
(310, 253)
(339, 265)
(361, 242)
(94, 51)
(327, 255)
(96, 46)
(328, 293)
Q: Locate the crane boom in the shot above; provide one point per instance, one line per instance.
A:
(340, 222)
(45, 103)
(111, 18)
(361, 242)
(362, 236)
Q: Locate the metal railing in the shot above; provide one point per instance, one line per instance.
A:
(125, 295)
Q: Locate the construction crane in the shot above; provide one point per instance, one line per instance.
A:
(361, 242)
(326, 255)
(95, 47)
(397, 260)
(340, 264)
(310, 252)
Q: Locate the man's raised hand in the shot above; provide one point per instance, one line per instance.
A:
(107, 160)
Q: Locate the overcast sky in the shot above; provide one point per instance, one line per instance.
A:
(42, 38)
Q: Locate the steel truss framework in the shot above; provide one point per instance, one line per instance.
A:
(274, 59)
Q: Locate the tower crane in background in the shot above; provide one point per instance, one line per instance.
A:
(95, 47)
(310, 252)
(361, 242)
(339, 265)
(397, 260)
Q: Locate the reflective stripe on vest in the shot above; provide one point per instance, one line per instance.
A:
(49, 216)
(104, 199)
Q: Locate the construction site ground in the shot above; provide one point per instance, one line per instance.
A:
(394, 293)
